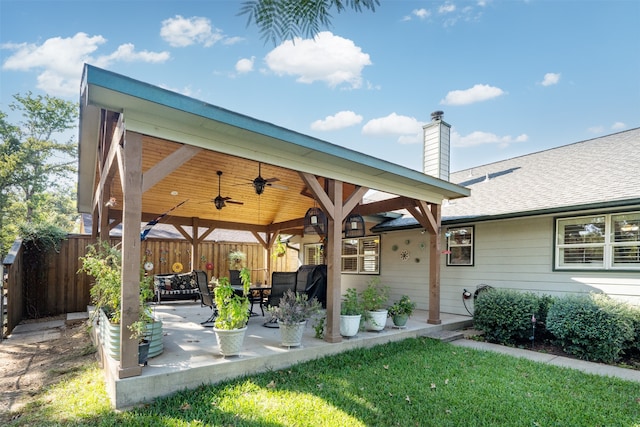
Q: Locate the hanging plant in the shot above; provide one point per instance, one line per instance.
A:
(237, 259)
(279, 248)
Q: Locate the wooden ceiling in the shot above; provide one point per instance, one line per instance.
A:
(196, 182)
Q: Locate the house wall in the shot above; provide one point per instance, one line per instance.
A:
(518, 254)
(514, 254)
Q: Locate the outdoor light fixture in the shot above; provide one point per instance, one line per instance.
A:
(259, 184)
(354, 226)
(315, 222)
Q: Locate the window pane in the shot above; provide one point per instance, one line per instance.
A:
(581, 230)
(369, 264)
(460, 255)
(626, 256)
(313, 254)
(369, 246)
(350, 247)
(626, 228)
(350, 264)
(593, 256)
(460, 236)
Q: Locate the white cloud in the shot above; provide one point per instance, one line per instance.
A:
(340, 120)
(447, 8)
(550, 79)
(245, 65)
(60, 60)
(182, 32)
(480, 138)
(327, 58)
(618, 126)
(409, 129)
(595, 129)
(421, 13)
(477, 93)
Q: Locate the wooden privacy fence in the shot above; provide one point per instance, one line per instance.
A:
(51, 285)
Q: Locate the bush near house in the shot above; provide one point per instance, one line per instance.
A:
(594, 327)
(505, 314)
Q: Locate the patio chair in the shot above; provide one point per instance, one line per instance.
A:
(234, 278)
(206, 298)
(236, 282)
(281, 282)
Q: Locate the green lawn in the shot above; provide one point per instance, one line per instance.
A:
(416, 382)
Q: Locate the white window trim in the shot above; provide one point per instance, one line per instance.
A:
(470, 244)
(360, 256)
(607, 246)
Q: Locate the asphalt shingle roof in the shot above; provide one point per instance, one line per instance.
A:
(599, 171)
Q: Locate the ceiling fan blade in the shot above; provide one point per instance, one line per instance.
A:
(272, 180)
(235, 202)
(279, 186)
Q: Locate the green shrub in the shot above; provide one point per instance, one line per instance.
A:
(592, 327)
(504, 315)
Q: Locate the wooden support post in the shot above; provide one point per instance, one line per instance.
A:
(333, 248)
(434, 269)
(131, 164)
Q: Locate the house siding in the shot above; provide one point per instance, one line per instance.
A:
(512, 254)
(518, 254)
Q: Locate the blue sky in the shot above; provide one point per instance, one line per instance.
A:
(512, 77)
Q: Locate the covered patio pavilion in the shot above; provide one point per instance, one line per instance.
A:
(144, 149)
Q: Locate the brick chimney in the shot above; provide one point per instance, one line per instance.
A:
(437, 136)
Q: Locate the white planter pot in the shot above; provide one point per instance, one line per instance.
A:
(109, 334)
(291, 335)
(376, 320)
(349, 325)
(230, 341)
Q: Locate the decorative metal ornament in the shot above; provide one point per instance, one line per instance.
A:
(354, 226)
(315, 222)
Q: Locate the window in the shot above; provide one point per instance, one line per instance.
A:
(361, 255)
(598, 242)
(460, 246)
(314, 254)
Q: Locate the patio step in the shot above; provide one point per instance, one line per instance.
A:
(445, 336)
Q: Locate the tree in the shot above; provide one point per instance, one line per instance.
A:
(285, 19)
(36, 171)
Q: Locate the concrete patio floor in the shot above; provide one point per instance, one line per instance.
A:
(191, 356)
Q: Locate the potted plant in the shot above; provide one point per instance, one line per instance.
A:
(374, 298)
(140, 330)
(233, 314)
(279, 248)
(104, 263)
(350, 313)
(292, 314)
(237, 259)
(401, 310)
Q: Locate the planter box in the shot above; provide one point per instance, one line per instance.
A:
(109, 335)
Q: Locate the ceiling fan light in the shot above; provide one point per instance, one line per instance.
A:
(219, 203)
(259, 186)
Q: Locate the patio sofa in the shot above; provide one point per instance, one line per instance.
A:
(178, 286)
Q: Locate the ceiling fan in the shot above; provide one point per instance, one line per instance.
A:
(259, 183)
(220, 202)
